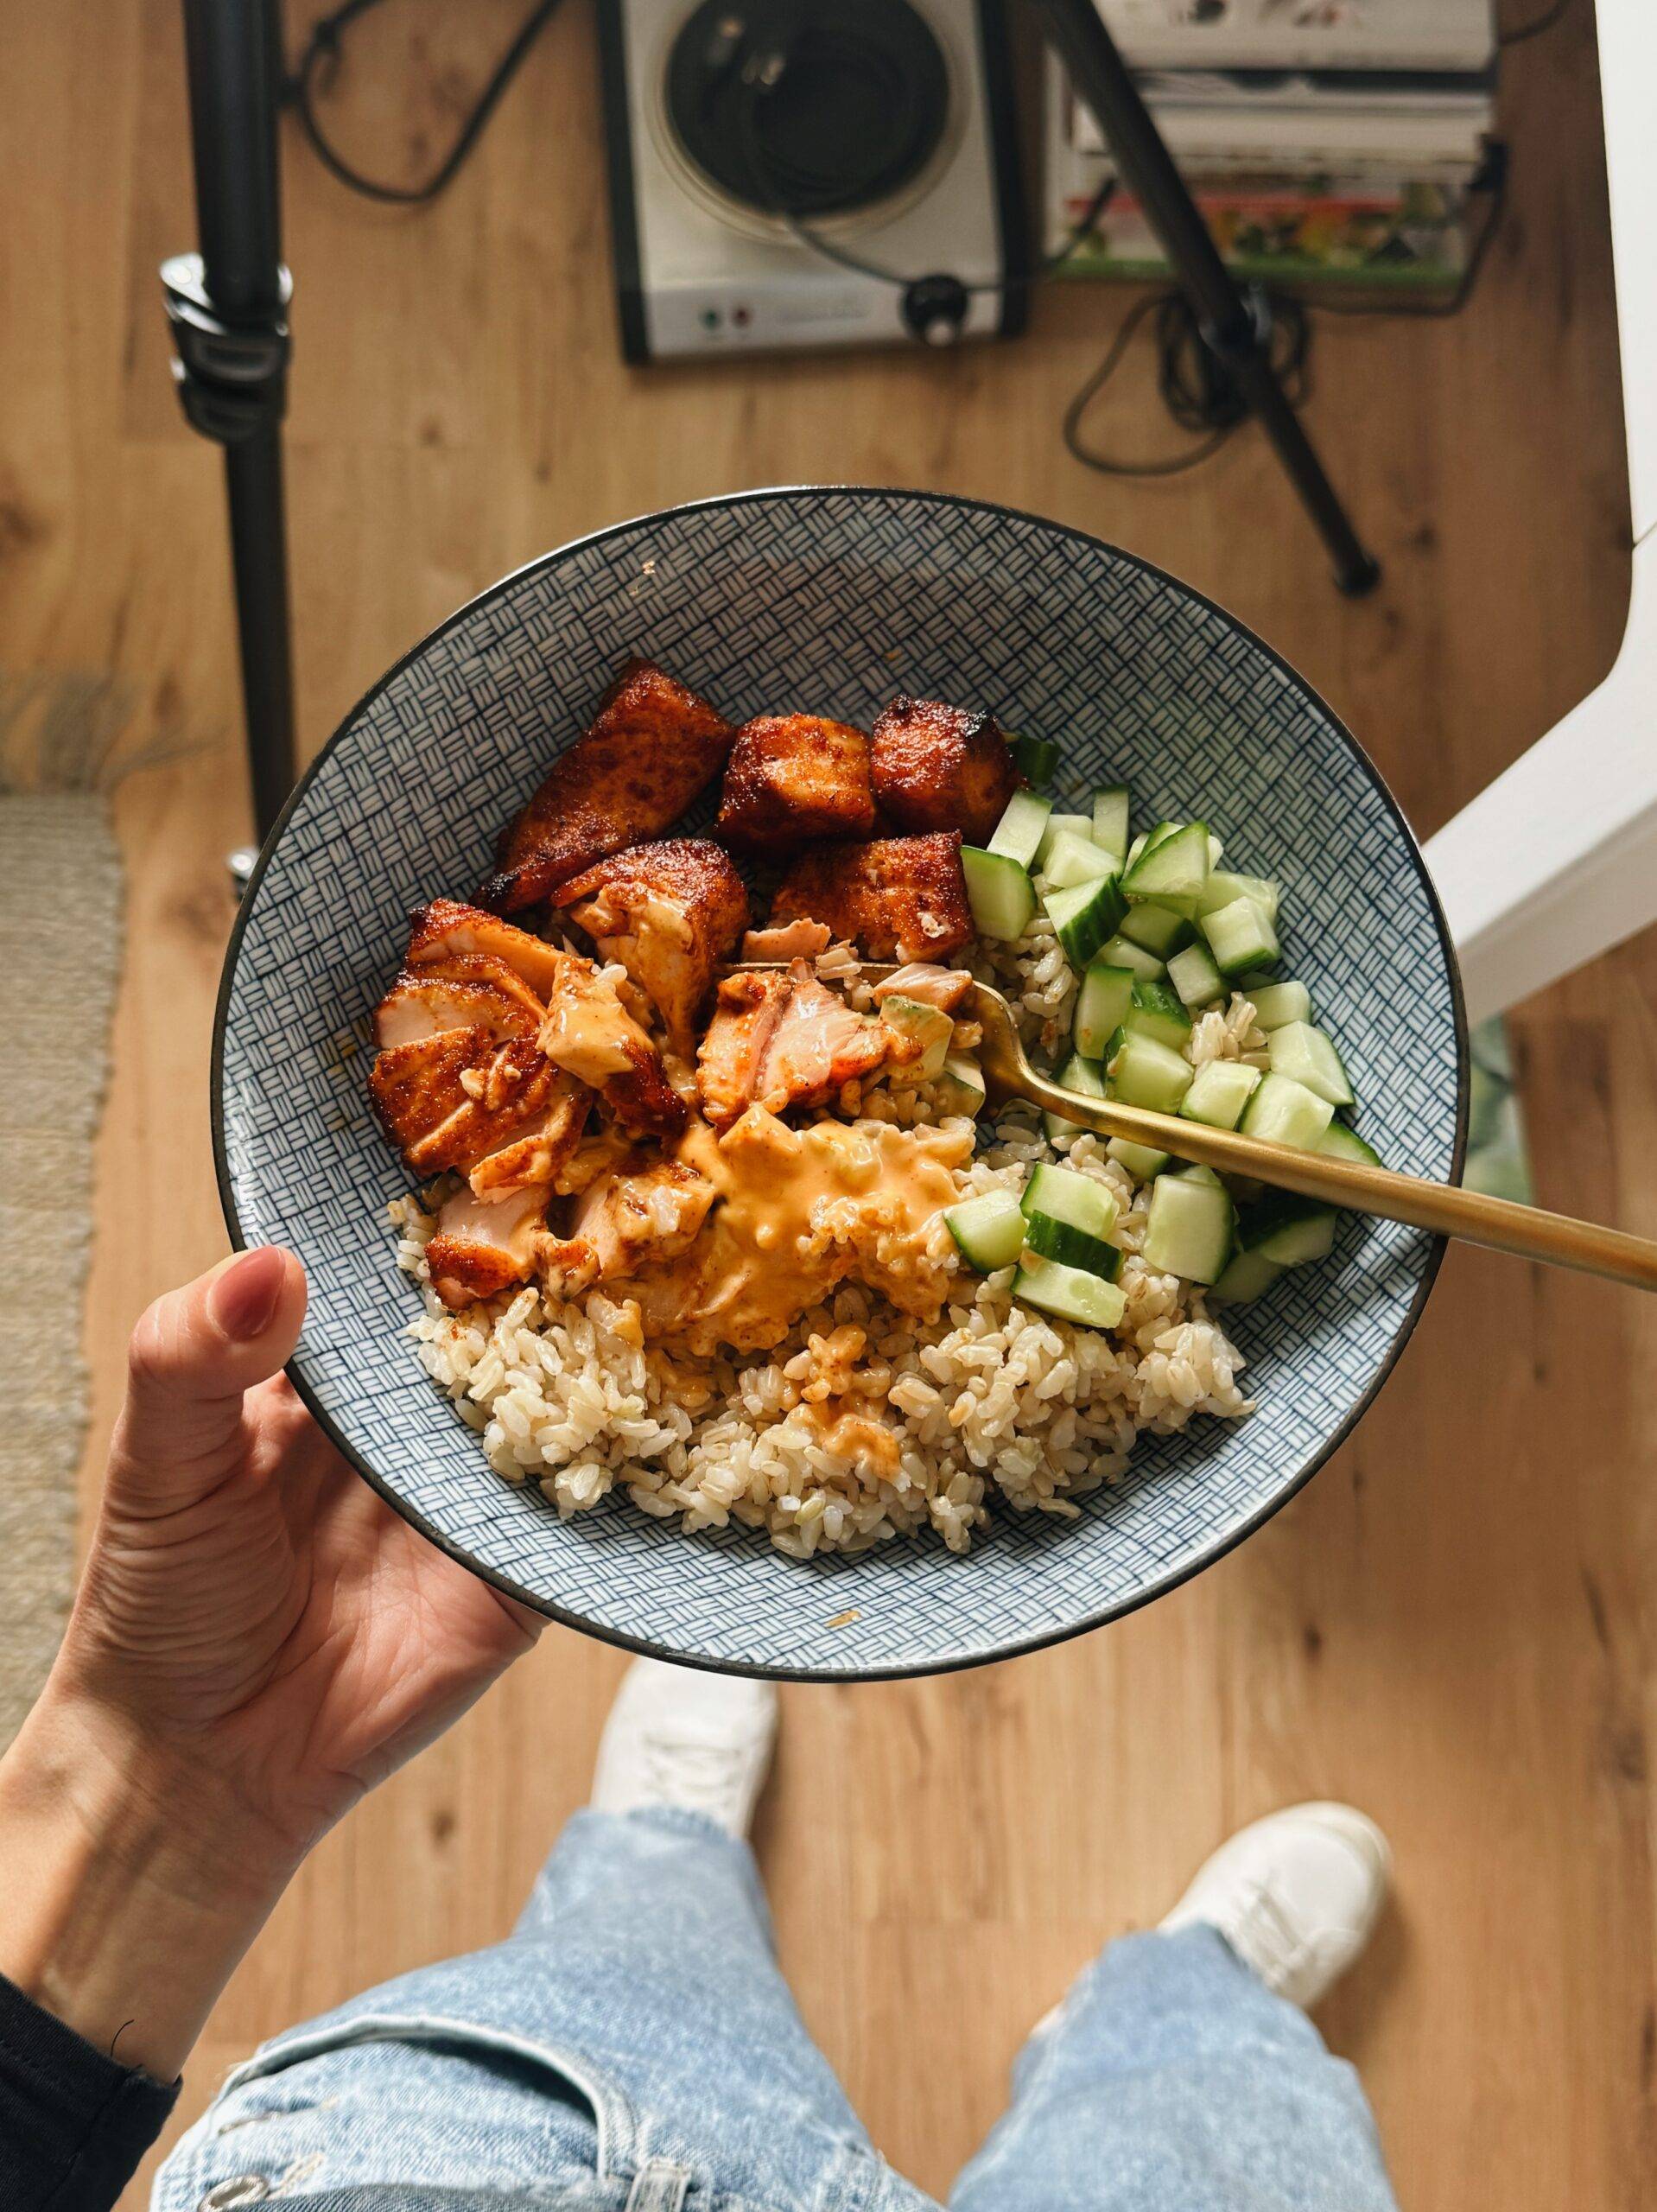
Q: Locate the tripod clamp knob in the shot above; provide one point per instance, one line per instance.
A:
(231, 373)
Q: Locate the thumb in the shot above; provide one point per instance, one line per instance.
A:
(194, 1355)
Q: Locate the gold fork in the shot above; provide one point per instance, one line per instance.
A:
(1444, 1208)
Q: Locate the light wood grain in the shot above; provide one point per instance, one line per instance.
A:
(1452, 1625)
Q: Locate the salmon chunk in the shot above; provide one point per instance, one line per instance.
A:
(791, 777)
(778, 1040)
(418, 1006)
(897, 898)
(646, 1212)
(536, 1160)
(591, 1034)
(652, 747)
(793, 941)
(670, 913)
(481, 1249)
(746, 1013)
(450, 937)
(449, 1101)
(938, 767)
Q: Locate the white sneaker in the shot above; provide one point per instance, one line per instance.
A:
(678, 1736)
(1296, 1896)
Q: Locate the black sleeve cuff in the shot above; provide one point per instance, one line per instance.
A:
(73, 2124)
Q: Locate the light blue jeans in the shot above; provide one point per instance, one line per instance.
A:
(633, 2048)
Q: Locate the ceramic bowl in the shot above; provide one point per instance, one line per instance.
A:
(830, 601)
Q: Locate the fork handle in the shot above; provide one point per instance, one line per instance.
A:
(1444, 1208)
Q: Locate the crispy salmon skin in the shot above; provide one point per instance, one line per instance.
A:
(653, 745)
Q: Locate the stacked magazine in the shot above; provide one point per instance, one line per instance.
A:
(1327, 141)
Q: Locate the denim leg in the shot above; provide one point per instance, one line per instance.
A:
(632, 2047)
(1173, 2081)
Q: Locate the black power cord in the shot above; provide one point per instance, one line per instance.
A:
(319, 64)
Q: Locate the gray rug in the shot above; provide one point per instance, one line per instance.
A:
(60, 924)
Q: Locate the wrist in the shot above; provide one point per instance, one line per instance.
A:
(130, 1891)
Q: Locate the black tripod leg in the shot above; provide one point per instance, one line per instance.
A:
(1102, 80)
(228, 309)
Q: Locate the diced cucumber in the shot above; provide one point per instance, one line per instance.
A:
(1085, 916)
(1035, 758)
(1288, 1229)
(1248, 1275)
(1142, 1161)
(1193, 973)
(1158, 929)
(961, 1086)
(1278, 1003)
(1216, 852)
(1286, 1112)
(1022, 827)
(1122, 952)
(1143, 1072)
(932, 1029)
(1000, 892)
(1239, 936)
(1306, 1053)
(1155, 1011)
(1345, 1143)
(1078, 824)
(1063, 1195)
(1069, 1293)
(1219, 1092)
(1172, 870)
(1071, 860)
(1136, 849)
(988, 1229)
(1222, 888)
(1087, 1078)
(1101, 1005)
(1110, 819)
(1057, 1240)
(1188, 1230)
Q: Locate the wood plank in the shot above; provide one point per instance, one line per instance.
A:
(1450, 1625)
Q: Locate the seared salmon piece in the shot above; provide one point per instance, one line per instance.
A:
(419, 1006)
(652, 747)
(746, 1013)
(449, 1101)
(450, 937)
(481, 1249)
(943, 988)
(538, 1159)
(897, 898)
(591, 1034)
(791, 777)
(793, 941)
(645, 1212)
(939, 767)
(670, 913)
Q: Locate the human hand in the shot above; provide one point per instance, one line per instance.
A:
(257, 1638)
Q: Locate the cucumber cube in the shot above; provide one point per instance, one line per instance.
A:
(1142, 1161)
(1071, 860)
(1283, 1111)
(1250, 1275)
(1122, 952)
(1064, 1195)
(1299, 1050)
(1193, 974)
(1222, 888)
(1346, 1144)
(1240, 936)
(1022, 828)
(1101, 1005)
(1288, 1230)
(1144, 1072)
(1000, 892)
(989, 1231)
(1087, 1079)
(1084, 917)
(1035, 758)
(1173, 869)
(1158, 929)
(1219, 1092)
(1155, 1011)
(1110, 819)
(1188, 1230)
(1069, 1293)
(1080, 824)
(1278, 1003)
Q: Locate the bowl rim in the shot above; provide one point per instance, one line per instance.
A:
(1117, 1609)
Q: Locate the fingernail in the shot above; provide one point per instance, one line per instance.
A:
(243, 1301)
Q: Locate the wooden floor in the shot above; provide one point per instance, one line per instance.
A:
(1452, 1626)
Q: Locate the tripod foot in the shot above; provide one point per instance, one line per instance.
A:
(1358, 581)
(240, 863)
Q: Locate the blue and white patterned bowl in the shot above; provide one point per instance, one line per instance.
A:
(830, 601)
